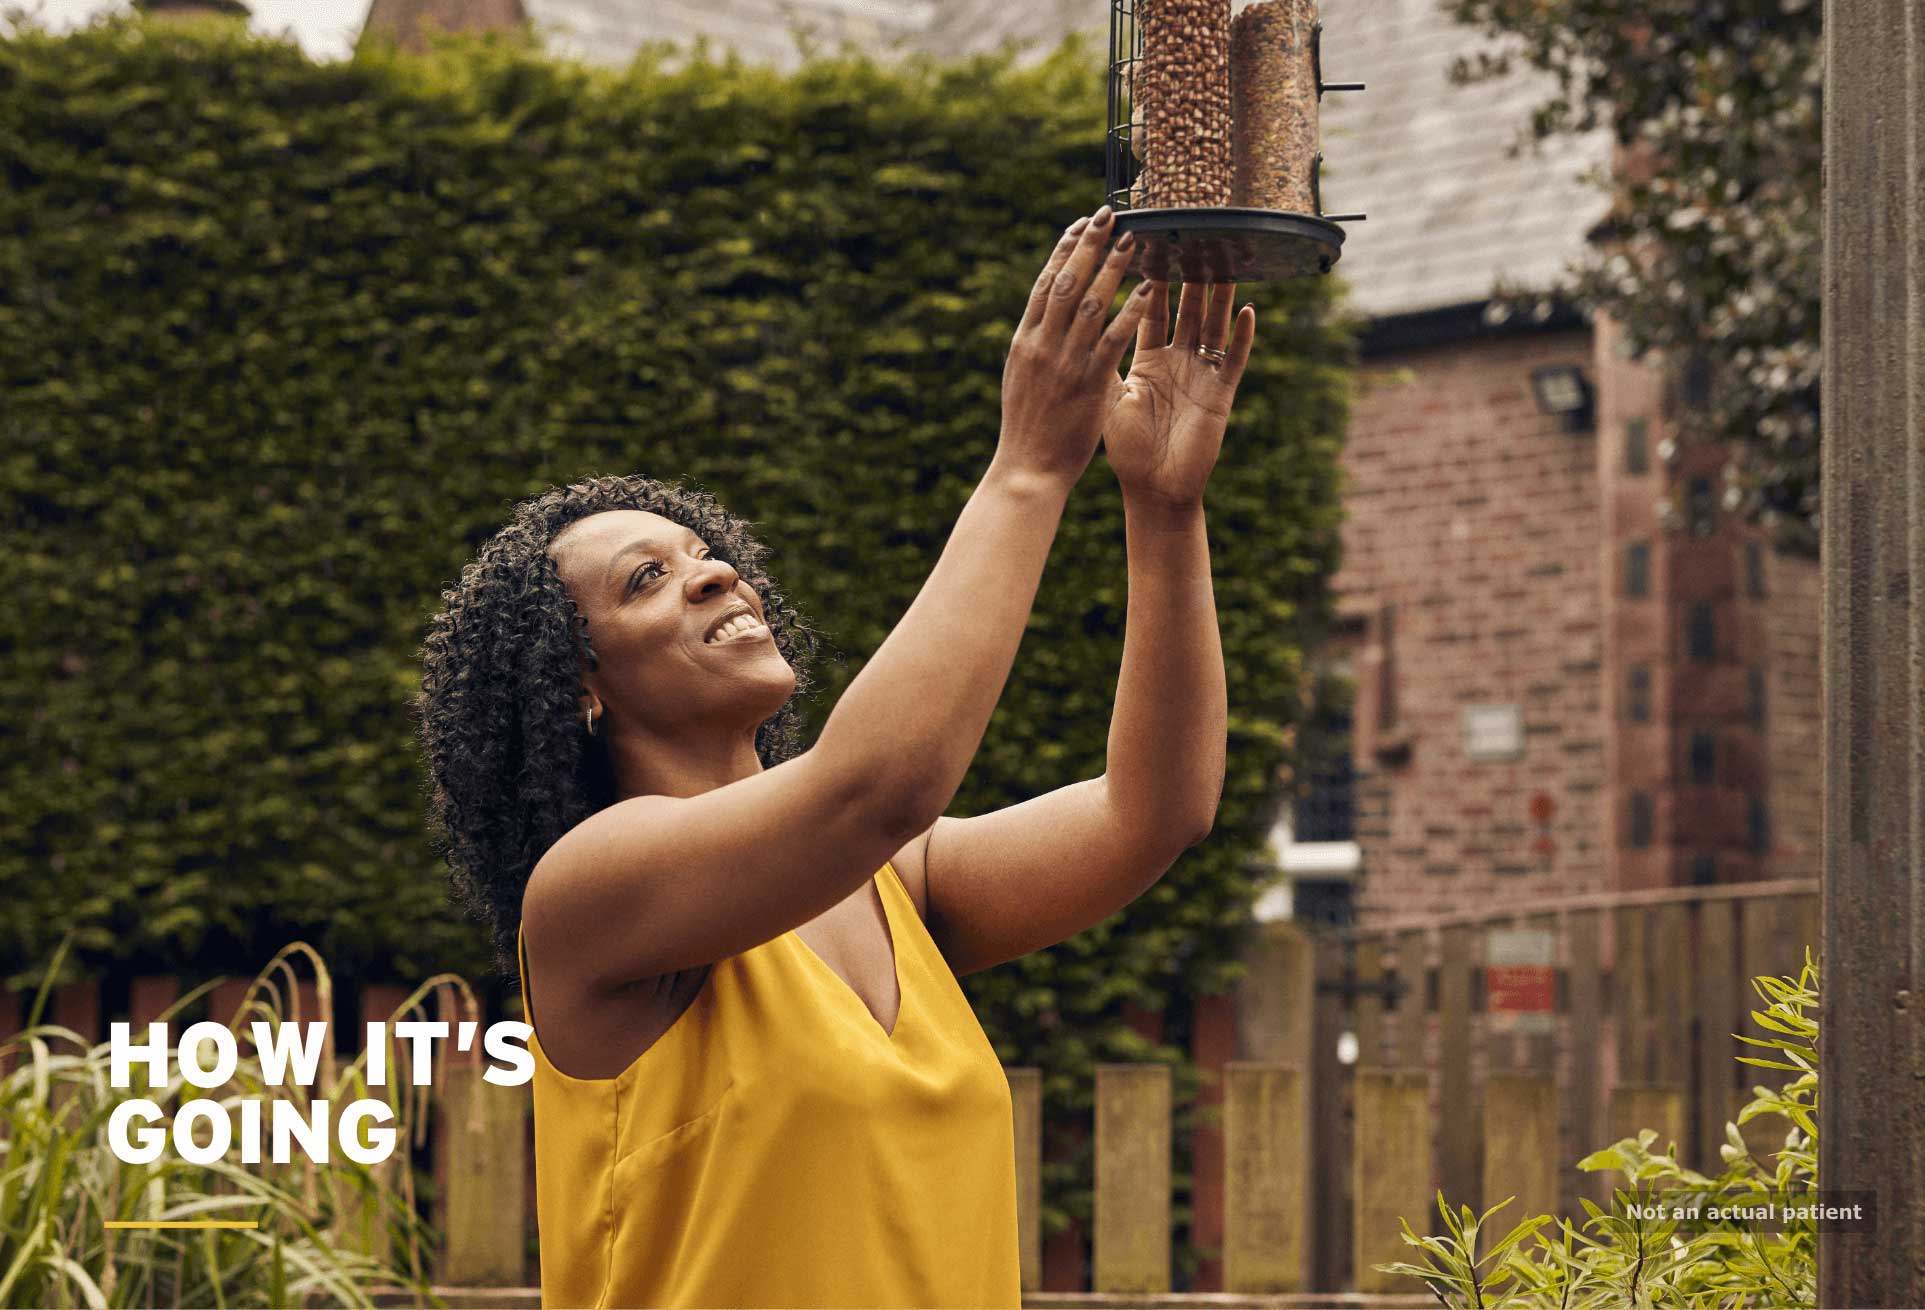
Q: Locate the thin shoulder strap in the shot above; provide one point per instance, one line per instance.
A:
(521, 967)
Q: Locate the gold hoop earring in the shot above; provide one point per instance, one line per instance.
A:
(589, 715)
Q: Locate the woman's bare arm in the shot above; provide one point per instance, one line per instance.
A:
(1002, 884)
(655, 884)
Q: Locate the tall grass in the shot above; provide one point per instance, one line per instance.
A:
(328, 1234)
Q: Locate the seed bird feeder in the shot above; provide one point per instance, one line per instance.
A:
(1212, 156)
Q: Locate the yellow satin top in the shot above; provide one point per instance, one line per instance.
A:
(776, 1148)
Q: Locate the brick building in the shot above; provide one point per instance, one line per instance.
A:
(1561, 687)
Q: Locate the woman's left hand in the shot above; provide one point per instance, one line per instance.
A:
(1165, 426)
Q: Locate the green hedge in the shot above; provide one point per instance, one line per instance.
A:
(280, 343)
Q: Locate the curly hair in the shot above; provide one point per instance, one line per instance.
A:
(510, 764)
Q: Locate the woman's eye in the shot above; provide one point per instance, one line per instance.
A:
(641, 573)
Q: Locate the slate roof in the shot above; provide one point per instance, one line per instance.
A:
(1447, 211)
(967, 27)
(610, 31)
(1425, 161)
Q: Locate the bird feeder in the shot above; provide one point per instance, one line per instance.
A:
(1212, 155)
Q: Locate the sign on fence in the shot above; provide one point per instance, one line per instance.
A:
(1520, 978)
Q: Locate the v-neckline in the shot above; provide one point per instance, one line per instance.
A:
(895, 969)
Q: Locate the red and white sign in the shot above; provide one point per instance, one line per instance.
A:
(1520, 988)
(1520, 977)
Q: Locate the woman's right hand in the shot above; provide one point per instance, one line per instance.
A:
(1060, 380)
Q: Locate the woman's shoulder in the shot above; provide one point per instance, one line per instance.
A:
(911, 866)
(597, 1038)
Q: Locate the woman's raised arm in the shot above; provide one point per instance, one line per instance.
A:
(656, 884)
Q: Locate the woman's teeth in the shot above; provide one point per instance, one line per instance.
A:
(734, 628)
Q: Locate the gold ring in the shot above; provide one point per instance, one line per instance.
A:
(1214, 356)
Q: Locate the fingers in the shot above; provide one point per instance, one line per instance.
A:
(1203, 317)
(1072, 279)
(1095, 304)
(1039, 296)
(1241, 340)
(1189, 314)
(1153, 332)
(1216, 320)
(1116, 338)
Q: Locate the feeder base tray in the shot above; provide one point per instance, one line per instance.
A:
(1226, 244)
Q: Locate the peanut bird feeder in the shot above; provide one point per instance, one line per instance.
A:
(1212, 154)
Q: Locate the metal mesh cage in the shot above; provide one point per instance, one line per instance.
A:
(1204, 243)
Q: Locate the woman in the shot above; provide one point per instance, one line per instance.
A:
(757, 1081)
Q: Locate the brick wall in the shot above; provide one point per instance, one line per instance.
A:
(1794, 713)
(1663, 658)
(1719, 779)
(1476, 518)
(1639, 640)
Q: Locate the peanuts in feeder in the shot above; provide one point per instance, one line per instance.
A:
(1182, 89)
(1273, 82)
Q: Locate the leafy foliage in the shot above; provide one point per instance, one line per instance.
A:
(1629, 1256)
(281, 342)
(1719, 210)
(325, 1230)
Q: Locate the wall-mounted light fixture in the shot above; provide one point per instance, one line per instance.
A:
(1561, 389)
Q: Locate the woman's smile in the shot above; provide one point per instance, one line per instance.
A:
(742, 628)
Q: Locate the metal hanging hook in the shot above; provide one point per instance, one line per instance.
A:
(1316, 165)
(1316, 65)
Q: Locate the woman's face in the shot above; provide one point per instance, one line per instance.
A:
(680, 639)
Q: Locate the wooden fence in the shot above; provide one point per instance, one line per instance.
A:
(1319, 1158)
(1455, 1086)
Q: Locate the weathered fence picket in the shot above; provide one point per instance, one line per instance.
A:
(1585, 995)
(1267, 1200)
(1130, 1250)
(481, 1164)
(1522, 1155)
(1458, 1151)
(1392, 1171)
(1026, 1104)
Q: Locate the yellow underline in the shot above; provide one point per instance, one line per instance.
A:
(183, 1223)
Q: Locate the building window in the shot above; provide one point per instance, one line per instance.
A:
(1637, 454)
(1701, 508)
(1760, 827)
(1703, 757)
(1697, 380)
(1701, 633)
(1692, 380)
(1637, 569)
(1640, 834)
(1755, 570)
(1313, 839)
(1755, 677)
(1704, 870)
(1325, 811)
(1637, 694)
(1327, 904)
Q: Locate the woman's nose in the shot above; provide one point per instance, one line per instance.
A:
(719, 576)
